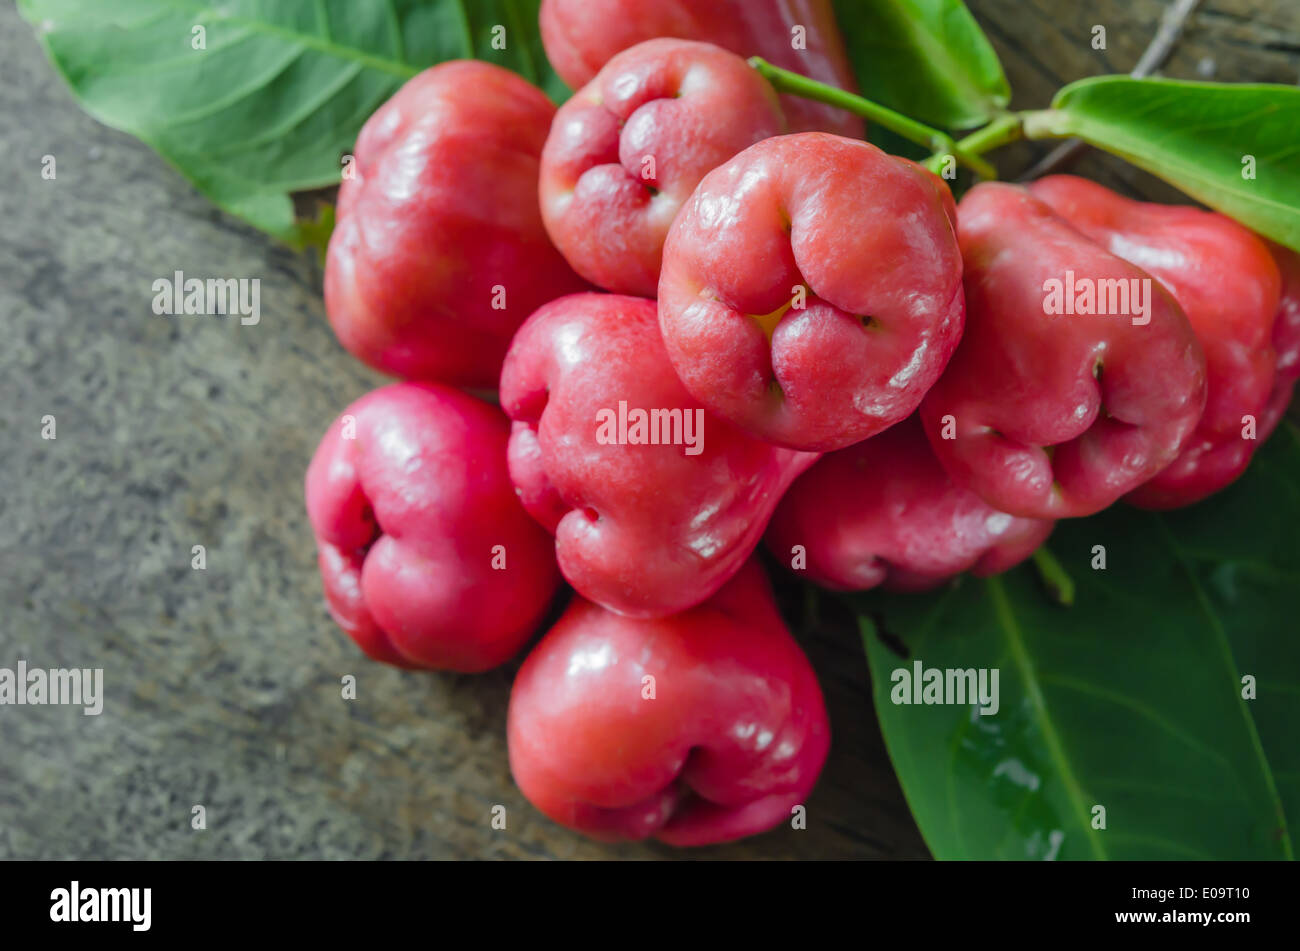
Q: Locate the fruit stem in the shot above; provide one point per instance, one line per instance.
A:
(1054, 575)
(1001, 131)
(785, 81)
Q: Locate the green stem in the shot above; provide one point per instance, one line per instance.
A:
(1001, 131)
(783, 80)
(1054, 575)
(1043, 124)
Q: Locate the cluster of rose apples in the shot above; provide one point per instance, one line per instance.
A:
(712, 316)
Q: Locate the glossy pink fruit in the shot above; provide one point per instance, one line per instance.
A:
(1225, 280)
(439, 252)
(811, 290)
(1045, 413)
(883, 512)
(702, 727)
(581, 36)
(427, 557)
(628, 149)
(643, 528)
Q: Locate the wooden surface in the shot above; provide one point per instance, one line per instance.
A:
(223, 686)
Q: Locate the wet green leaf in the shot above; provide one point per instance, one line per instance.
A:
(1130, 700)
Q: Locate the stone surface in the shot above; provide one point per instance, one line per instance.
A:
(223, 685)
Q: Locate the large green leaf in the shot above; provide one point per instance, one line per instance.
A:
(1131, 699)
(1208, 139)
(281, 88)
(927, 59)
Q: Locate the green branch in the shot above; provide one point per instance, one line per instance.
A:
(1001, 131)
(785, 81)
(1054, 576)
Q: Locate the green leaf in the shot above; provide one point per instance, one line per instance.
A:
(1199, 137)
(927, 59)
(1131, 699)
(279, 91)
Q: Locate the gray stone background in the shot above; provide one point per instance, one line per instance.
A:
(222, 687)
